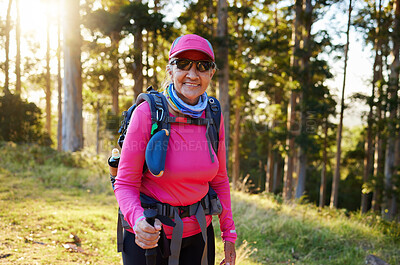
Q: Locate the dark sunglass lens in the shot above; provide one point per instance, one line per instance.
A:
(183, 64)
(186, 64)
(203, 66)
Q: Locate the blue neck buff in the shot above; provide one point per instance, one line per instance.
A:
(178, 105)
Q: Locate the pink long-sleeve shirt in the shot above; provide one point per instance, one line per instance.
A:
(188, 172)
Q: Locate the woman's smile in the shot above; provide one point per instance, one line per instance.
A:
(191, 84)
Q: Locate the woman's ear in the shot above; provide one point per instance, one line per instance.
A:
(212, 73)
(169, 70)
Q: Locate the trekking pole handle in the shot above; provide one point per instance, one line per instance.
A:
(150, 215)
(151, 254)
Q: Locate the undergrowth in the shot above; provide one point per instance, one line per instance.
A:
(53, 169)
(59, 208)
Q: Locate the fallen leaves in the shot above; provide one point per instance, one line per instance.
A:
(72, 246)
(3, 256)
(30, 240)
(75, 246)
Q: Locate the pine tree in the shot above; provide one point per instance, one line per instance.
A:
(72, 118)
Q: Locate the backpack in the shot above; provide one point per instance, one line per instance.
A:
(161, 120)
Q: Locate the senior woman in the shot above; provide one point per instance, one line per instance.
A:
(189, 171)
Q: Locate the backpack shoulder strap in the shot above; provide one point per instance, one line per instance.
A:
(213, 111)
(126, 117)
(158, 109)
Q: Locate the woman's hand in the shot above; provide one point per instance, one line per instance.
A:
(230, 254)
(147, 236)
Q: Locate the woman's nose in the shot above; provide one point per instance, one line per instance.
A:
(192, 72)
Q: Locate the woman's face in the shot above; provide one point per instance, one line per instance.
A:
(190, 84)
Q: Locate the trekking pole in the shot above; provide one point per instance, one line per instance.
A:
(151, 254)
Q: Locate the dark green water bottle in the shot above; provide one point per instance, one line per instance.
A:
(113, 162)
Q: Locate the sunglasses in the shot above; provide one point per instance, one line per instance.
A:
(186, 64)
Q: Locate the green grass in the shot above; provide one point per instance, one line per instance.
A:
(301, 234)
(49, 200)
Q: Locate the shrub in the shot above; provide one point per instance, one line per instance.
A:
(20, 121)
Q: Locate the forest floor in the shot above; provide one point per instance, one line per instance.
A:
(58, 208)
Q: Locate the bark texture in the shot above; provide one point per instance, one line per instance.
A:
(72, 118)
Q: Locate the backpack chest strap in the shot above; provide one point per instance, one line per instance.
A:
(188, 120)
(199, 121)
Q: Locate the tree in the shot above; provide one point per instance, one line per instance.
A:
(393, 88)
(375, 22)
(379, 84)
(136, 19)
(306, 82)
(18, 56)
(336, 178)
(322, 188)
(7, 49)
(223, 76)
(307, 75)
(48, 77)
(291, 120)
(240, 16)
(138, 60)
(59, 79)
(72, 120)
(109, 24)
(273, 179)
(369, 144)
(271, 70)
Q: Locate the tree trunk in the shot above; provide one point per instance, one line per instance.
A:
(7, 49)
(291, 121)
(306, 84)
(48, 78)
(336, 177)
(18, 56)
(154, 52)
(223, 73)
(138, 64)
(277, 173)
(368, 158)
(370, 165)
(378, 166)
(272, 181)
(397, 150)
(115, 96)
(238, 107)
(368, 146)
(115, 39)
(322, 187)
(72, 122)
(155, 45)
(302, 153)
(390, 166)
(59, 80)
(236, 139)
(269, 169)
(378, 156)
(98, 124)
(147, 52)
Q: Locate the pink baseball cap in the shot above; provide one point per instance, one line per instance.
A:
(191, 42)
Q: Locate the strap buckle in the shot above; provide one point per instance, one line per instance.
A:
(160, 114)
(184, 211)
